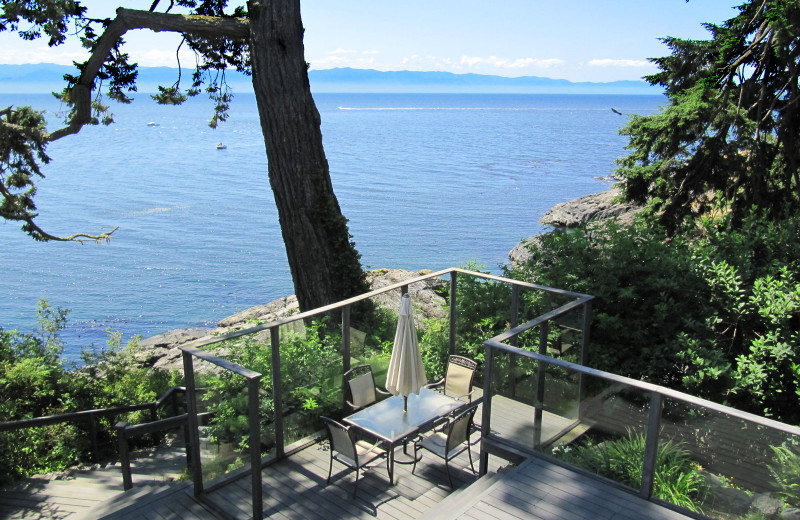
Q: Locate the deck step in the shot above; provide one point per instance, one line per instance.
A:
(463, 499)
(136, 498)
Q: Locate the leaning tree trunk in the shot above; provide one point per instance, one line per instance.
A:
(323, 260)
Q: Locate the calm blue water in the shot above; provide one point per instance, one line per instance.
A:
(427, 181)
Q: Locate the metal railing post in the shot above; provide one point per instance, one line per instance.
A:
(651, 446)
(486, 414)
(124, 459)
(93, 438)
(277, 391)
(513, 342)
(540, 377)
(587, 323)
(346, 339)
(453, 304)
(255, 446)
(193, 426)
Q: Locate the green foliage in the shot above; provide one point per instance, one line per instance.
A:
(716, 316)
(22, 148)
(728, 140)
(35, 382)
(677, 478)
(483, 311)
(641, 285)
(311, 372)
(786, 471)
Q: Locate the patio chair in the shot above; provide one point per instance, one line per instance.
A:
(449, 442)
(360, 389)
(458, 378)
(350, 452)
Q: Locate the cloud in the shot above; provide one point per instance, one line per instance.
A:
(506, 63)
(342, 51)
(619, 63)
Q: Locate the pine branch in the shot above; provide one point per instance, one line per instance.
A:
(128, 19)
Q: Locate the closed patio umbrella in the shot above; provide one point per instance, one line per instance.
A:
(406, 373)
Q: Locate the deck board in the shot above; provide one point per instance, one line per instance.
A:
(539, 490)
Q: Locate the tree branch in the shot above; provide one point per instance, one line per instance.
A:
(127, 19)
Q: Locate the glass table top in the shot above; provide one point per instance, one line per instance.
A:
(387, 420)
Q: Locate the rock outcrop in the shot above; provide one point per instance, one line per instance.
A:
(162, 352)
(590, 208)
(579, 212)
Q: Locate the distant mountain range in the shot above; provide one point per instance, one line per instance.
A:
(44, 78)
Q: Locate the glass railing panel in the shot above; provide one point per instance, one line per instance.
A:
(726, 467)
(372, 329)
(608, 436)
(483, 311)
(311, 354)
(223, 422)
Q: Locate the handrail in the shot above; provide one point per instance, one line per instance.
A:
(90, 416)
(192, 423)
(657, 397)
(204, 342)
(126, 431)
(649, 387)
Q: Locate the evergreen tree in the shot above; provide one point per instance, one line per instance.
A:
(729, 138)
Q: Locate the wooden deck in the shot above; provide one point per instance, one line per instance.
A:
(540, 490)
(295, 488)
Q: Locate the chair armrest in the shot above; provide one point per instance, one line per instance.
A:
(382, 392)
(468, 395)
(434, 385)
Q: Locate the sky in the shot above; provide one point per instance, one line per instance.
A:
(576, 40)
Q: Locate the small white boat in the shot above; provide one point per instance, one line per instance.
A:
(153, 123)
(221, 146)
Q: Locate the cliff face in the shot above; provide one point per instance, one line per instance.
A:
(579, 212)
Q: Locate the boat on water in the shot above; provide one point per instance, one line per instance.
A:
(153, 123)
(221, 146)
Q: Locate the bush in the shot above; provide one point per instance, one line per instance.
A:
(716, 316)
(35, 382)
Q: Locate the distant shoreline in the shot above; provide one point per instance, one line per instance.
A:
(44, 78)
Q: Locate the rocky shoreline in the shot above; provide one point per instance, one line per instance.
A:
(162, 352)
(579, 212)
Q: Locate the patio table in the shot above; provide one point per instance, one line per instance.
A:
(386, 420)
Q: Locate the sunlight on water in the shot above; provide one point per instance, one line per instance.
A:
(426, 181)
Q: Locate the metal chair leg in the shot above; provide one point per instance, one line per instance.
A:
(447, 468)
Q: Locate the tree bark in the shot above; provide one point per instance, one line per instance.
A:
(324, 263)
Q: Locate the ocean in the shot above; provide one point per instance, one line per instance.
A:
(427, 181)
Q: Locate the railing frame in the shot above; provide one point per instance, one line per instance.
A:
(192, 349)
(91, 417)
(253, 379)
(490, 444)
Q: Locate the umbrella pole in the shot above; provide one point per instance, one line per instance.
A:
(405, 403)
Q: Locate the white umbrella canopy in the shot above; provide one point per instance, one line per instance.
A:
(406, 374)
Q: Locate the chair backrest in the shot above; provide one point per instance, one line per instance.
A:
(459, 429)
(361, 386)
(458, 380)
(340, 438)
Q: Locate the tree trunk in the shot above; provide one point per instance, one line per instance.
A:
(323, 260)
